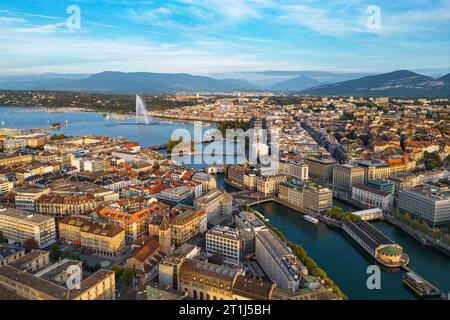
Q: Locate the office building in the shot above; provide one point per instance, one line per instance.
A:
(18, 226)
(225, 241)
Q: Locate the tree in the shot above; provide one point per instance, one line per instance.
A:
(424, 227)
(30, 244)
(56, 253)
(406, 218)
(118, 270)
(447, 237)
(397, 214)
(2, 239)
(436, 233)
(127, 277)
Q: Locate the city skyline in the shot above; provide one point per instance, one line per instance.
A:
(205, 37)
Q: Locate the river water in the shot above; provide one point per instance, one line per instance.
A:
(346, 263)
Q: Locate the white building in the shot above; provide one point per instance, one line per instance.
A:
(216, 203)
(18, 226)
(372, 198)
(225, 241)
(295, 169)
(277, 261)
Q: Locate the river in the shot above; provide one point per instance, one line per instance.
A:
(346, 263)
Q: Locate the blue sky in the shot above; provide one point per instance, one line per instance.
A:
(209, 36)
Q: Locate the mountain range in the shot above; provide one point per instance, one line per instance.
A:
(401, 83)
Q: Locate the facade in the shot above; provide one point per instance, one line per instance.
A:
(216, 203)
(99, 238)
(60, 205)
(187, 222)
(236, 174)
(177, 195)
(291, 193)
(225, 241)
(317, 199)
(277, 261)
(383, 185)
(372, 198)
(321, 169)
(268, 185)
(26, 198)
(10, 253)
(427, 205)
(5, 186)
(207, 181)
(169, 267)
(18, 226)
(205, 281)
(295, 169)
(346, 176)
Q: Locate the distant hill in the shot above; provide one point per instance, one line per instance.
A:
(295, 84)
(144, 82)
(401, 83)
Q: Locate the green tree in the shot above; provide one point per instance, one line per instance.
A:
(2, 239)
(30, 244)
(56, 253)
(118, 270)
(127, 277)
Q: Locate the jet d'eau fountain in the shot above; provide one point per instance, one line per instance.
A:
(141, 111)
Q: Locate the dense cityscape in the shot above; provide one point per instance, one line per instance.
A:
(139, 225)
(225, 159)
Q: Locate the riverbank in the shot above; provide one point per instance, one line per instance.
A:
(311, 265)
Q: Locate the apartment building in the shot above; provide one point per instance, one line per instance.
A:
(177, 195)
(18, 226)
(186, 222)
(268, 185)
(60, 205)
(217, 204)
(100, 238)
(291, 192)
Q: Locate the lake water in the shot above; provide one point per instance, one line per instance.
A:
(92, 123)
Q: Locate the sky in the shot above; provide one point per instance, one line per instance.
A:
(220, 36)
